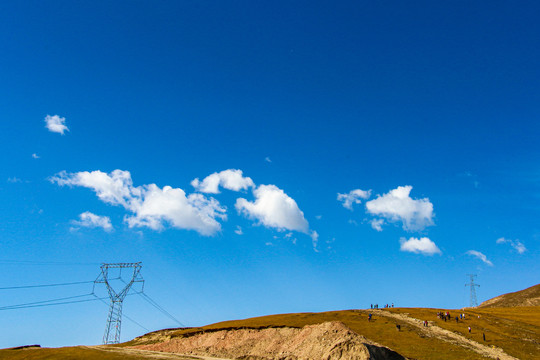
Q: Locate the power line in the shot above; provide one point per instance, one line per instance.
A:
(153, 303)
(41, 302)
(127, 317)
(62, 300)
(53, 304)
(28, 262)
(157, 306)
(45, 285)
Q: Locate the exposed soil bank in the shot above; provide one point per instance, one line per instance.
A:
(326, 341)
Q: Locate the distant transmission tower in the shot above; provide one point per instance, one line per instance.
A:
(473, 301)
(114, 319)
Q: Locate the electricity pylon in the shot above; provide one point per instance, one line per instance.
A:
(114, 319)
(473, 301)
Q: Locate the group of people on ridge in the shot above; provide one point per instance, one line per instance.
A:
(376, 306)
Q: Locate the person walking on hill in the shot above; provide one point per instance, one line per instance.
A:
(469, 329)
(369, 317)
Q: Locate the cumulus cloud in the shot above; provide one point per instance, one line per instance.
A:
(274, 209)
(171, 205)
(516, 244)
(88, 219)
(231, 179)
(115, 188)
(267, 159)
(35, 156)
(155, 207)
(353, 197)
(56, 124)
(150, 205)
(479, 255)
(419, 246)
(397, 205)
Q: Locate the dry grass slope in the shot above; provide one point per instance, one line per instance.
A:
(527, 297)
(515, 330)
(506, 323)
(409, 342)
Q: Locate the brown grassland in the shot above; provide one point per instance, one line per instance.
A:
(516, 330)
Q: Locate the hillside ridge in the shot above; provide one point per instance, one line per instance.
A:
(527, 297)
(501, 328)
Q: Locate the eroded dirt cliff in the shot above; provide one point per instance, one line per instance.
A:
(326, 341)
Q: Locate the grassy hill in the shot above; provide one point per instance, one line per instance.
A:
(527, 297)
(514, 329)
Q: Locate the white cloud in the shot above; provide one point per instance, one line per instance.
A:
(115, 188)
(239, 231)
(231, 179)
(318, 217)
(194, 212)
(14, 180)
(314, 240)
(274, 209)
(56, 124)
(88, 219)
(480, 256)
(267, 159)
(516, 244)
(151, 205)
(35, 156)
(419, 246)
(377, 224)
(353, 197)
(397, 205)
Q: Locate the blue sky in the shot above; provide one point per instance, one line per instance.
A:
(423, 116)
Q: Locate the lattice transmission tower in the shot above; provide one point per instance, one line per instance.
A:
(112, 273)
(473, 300)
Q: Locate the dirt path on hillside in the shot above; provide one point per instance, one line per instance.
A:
(450, 336)
(147, 354)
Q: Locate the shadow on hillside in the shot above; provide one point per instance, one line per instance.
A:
(382, 353)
